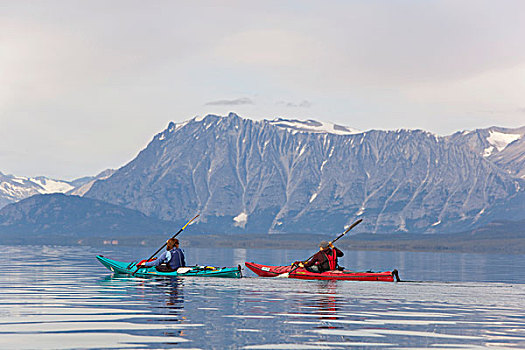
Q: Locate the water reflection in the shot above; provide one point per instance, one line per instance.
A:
(174, 291)
(325, 303)
(171, 290)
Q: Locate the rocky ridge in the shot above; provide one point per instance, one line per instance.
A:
(281, 176)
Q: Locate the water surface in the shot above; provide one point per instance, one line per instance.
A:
(61, 298)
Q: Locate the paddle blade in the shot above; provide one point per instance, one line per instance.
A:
(189, 222)
(287, 274)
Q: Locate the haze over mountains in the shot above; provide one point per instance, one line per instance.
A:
(290, 176)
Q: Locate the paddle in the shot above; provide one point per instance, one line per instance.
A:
(287, 274)
(175, 235)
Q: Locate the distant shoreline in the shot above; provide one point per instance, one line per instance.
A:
(456, 243)
(412, 243)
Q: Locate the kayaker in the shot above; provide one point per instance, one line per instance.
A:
(324, 260)
(170, 260)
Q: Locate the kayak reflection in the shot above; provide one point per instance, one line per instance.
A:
(168, 290)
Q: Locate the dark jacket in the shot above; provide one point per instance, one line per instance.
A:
(321, 260)
(173, 258)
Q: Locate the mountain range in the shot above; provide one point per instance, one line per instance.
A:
(292, 176)
(69, 218)
(15, 188)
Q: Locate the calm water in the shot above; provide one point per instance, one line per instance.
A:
(61, 298)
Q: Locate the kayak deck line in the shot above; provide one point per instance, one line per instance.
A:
(301, 273)
(126, 268)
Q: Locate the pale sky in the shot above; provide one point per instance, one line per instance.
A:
(84, 85)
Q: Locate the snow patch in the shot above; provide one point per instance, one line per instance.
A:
(241, 220)
(313, 126)
(180, 125)
(175, 126)
(488, 151)
(402, 226)
(51, 186)
(19, 180)
(302, 151)
(478, 215)
(501, 140)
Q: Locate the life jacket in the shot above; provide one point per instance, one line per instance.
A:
(177, 258)
(331, 256)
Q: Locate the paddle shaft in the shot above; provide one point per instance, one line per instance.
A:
(332, 242)
(175, 235)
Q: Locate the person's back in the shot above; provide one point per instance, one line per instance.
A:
(170, 260)
(324, 260)
(177, 258)
(330, 262)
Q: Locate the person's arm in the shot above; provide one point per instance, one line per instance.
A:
(157, 261)
(312, 261)
(338, 252)
(182, 258)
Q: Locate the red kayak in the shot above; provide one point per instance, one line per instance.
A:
(273, 271)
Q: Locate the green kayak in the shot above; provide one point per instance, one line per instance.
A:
(202, 271)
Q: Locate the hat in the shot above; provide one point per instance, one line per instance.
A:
(324, 244)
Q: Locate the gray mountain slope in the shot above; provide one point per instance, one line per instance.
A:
(73, 216)
(253, 176)
(82, 187)
(504, 147)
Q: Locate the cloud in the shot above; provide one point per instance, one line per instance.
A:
(303, 104)
(234, 102)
